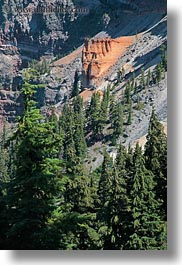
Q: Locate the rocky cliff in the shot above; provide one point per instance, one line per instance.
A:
(31, 35)
(99, 55)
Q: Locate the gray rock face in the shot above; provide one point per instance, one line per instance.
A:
(57, 33)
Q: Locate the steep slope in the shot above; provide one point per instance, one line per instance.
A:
(58, 83)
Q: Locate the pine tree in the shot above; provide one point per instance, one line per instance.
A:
(79, 124)
(142, 79)
(156, 159)
(3, 217)
(93, 115)
(148, 78)
(164, 57)
(147, 231)
(4, 157)
(117, 121)
(69, 150)
(133, 81)
(104, 196)
(75, 90)
(30, 193)
(122, 202)
(103, 114)
(127, 93)
(129, 121)
(159, 72)
(135, 87)
(4, 179)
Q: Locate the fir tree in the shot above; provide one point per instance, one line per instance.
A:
(127, 93)
(4, 156)
(3, 218)
(75, 90)
(93, 115)
(133, 81)
(156, 159)
(69, 150)
(148, 78)
(159, 72)
(164, 57)
(31, 191)
(117, 121)
(103, 115)
(79, 124)
(122, 202)
(147, 231)
(142, 79)
(104, 196)
(129, 121)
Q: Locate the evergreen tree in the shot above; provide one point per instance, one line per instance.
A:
(133, 82)
(69, 150)
(156, 159)
(135, 87)
(4, 179)
(127, 93)
(123, 72)
(31, 191)
(117, 121)
(79, 123)
(4, 157)
(148, 78)
(129, 168)
(75, 90)
(104, 196)
(147, 231)
(122, 202)
(164, 57)
(159, 72)
(3, 218)
(103, 114)
(94, 115)
(142, 79)
(129, 121)
(113, 211)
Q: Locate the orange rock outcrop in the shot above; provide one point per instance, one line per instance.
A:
(99, 55)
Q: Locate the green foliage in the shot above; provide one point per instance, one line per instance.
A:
(164, 57)
(148, 78)
(4, 156)
(69, 151)
(95, 122)
(79, 124)
(142, 79)
(50, 199)
(146, 229)
(72, 123)
(36, 70)
(39, 68)
(159, 72)
(117, 121)
(139, 105)
(127, 93)
(130, 110)
(156, 159)
(30, 192)
(75, 90)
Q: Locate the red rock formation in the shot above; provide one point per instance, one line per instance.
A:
(99, 55)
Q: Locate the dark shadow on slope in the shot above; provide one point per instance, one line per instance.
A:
(150, 59)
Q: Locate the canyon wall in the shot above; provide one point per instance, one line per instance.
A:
(98, 55)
